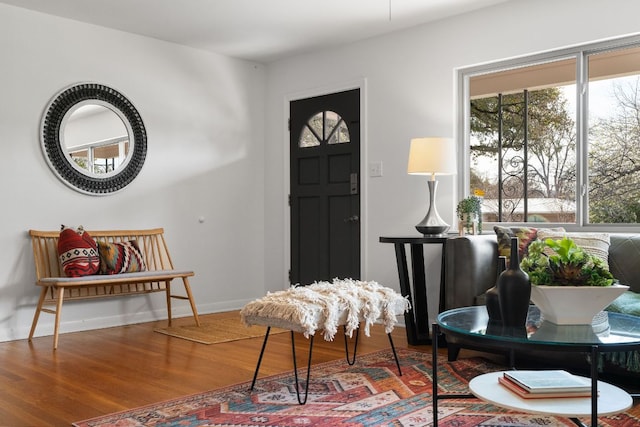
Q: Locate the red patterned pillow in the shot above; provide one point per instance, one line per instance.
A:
(121, 257)
(78, 252)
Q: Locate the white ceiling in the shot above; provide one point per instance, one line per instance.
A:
(258, 30)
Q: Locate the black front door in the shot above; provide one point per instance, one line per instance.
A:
(325, 187)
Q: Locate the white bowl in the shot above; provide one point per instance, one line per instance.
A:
(574, 305)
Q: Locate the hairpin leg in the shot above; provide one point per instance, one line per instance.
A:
(395, 355)
(352, 360)
(264, 344)
(355, 346)
(295, 370)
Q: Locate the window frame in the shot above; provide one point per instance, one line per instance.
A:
(578, 52)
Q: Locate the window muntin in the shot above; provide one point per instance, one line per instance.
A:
(613, 62)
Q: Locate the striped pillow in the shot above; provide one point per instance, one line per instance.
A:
(121, 257)
(596, 244)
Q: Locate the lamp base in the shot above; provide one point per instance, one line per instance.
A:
(432, 231)
(432, 225)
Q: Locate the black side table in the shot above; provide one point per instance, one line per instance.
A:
(417, 318)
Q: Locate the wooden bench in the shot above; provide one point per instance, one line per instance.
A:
(56, 287)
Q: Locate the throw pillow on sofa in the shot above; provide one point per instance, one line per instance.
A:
(78, 252)
(525, 235)
(121, 257)
(596, 244)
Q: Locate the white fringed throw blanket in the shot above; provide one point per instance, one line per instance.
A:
(326, 306)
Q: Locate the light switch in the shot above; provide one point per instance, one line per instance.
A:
(375, 169)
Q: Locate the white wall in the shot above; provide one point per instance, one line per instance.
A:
(410, 93)
(204, 116)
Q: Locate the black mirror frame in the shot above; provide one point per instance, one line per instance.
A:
(59, 161)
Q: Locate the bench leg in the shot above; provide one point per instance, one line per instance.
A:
(167, 289)
(56, 327)
(395, 355)
(36, 316)
(350, 362)
(264, 344)
(57, 312)
(355, 348)
(295, 366)
(192, 302)
(295, 369)
(187, 289)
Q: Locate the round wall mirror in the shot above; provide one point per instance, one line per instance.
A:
(93, 138)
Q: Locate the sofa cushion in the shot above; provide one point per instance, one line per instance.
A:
(627, 303)
(525, 235)
(624, 259)
(596, 244)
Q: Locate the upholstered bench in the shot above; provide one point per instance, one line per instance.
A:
(325, 307)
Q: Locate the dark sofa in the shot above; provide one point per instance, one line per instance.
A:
(471, 269)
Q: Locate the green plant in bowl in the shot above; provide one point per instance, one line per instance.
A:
(566, 264)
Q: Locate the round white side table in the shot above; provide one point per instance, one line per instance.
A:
(611, 399)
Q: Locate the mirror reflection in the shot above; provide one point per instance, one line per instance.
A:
(95, 138)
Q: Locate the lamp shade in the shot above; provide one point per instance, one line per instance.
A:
(432, 156)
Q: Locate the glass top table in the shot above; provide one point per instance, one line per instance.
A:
(608, 332)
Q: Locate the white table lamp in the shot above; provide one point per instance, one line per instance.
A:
(432, 156)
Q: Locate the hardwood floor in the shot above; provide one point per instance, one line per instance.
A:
(98, 372)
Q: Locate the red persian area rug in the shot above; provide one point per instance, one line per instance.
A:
(369, 393)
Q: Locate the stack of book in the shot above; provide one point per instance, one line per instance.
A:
(545, 384)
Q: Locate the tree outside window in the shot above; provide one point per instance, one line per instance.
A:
(525, 142)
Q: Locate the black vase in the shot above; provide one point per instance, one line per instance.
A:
(514, 291)
(491, 297)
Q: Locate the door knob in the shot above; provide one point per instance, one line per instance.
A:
(352, 218)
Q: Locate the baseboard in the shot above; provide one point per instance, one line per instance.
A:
(71, 321)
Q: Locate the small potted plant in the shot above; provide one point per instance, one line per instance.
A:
(469, 211)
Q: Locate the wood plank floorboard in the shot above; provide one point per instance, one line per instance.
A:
(97, 372)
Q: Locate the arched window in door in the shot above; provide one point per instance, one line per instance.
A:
(325, 127)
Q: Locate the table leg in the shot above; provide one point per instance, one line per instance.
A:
(594, 390)
(405, 290)
(420, 302)
(435, 329)
(594, 386)
(413, 284)
(417, 318)
(443, 266)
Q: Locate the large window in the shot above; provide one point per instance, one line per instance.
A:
(555, 137)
